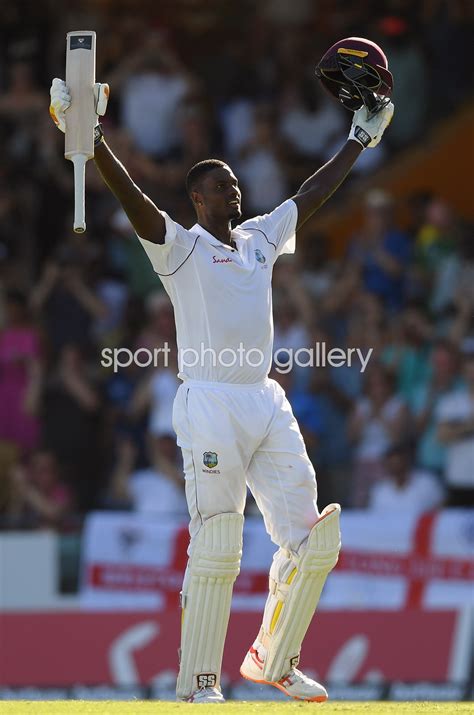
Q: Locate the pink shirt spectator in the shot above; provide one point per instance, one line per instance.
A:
(18, 346)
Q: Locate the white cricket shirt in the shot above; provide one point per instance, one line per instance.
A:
(222, 296)
(458, 407)
(421, 492)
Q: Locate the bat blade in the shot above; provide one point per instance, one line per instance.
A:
(80, 117)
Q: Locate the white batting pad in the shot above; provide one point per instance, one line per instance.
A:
(296, 583)
(207, 592)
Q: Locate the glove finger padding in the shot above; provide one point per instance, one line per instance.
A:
(369, 132)
(101, 94)
(59, 86)
(60, 102)
(384, 118)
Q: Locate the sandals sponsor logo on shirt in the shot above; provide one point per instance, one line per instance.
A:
(259, 256)
(210, 461)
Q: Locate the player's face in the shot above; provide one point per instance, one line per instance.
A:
(220, 194)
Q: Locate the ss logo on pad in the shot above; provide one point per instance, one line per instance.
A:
(206, 680)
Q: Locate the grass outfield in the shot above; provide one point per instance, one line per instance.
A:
(71, 707)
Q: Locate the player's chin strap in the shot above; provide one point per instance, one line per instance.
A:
(296, 583)
(207, 593)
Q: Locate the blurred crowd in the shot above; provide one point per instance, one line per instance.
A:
(192, 80)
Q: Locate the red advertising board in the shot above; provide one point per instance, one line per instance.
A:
(133, 648)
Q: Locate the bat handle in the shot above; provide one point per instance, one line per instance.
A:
(79, 162)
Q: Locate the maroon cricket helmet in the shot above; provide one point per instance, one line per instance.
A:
(355, 71)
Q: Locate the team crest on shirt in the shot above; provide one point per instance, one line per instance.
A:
(259, 256)
(210, 461)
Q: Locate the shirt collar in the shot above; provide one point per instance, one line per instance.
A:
(236, 234)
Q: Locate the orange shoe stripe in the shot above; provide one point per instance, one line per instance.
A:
(317, 699)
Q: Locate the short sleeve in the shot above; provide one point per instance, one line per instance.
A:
(167, 257)
(278, 227)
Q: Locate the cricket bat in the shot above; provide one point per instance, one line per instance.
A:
(80, 117)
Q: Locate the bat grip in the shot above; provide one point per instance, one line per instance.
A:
(79, 162)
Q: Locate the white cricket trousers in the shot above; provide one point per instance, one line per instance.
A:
(234, 436)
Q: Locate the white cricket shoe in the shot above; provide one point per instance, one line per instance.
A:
(295, 683)
(205, 695)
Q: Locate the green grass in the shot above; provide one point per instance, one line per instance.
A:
(71, 707)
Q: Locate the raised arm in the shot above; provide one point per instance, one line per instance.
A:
(320, 186)
(144, 216)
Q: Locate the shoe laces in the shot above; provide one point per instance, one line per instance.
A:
(293, 675)
(207, 689)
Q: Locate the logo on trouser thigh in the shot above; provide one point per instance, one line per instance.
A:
(206, 680)
(210, 461)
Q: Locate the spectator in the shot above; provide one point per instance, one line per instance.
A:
(378, 419)
(453, 282)
(435, 243)
(261, 166)
(112, 292)
(448, 35)
(159, 329)
(152, 84)
(441, 378)
(462, 324)
(290, 332)
(69, 404)
(66, 302)
(20, 367)
(405, 488)
(21, 106)
(124, 416)
(9, 458)
(197, 143)
(318, 270)
(381, 251)
(328, 396)
(156, 393)
(455, 419)
(366, 322)
(237, 118)
(282, 15)
(410, 90)
(128, 257)
(40, 498)
(157, 489)
(408, 351)
(310, 120)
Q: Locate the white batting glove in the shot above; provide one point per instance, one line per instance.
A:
(61, 101)
(368, 132)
